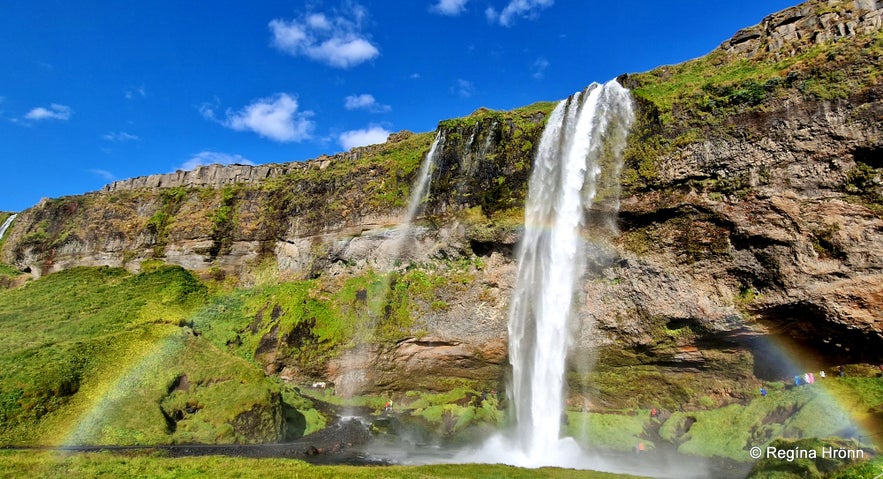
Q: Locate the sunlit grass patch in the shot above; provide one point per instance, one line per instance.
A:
(610, 431)
(801, 412)
(101, 356)
(106, 464)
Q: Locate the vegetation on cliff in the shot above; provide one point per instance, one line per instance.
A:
(101, 356)
(715, 96)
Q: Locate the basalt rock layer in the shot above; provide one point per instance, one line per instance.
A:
(750, 215)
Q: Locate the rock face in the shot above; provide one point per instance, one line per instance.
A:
(798, 28)
(221, 175)
(762, 228)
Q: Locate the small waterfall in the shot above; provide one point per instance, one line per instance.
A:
(419, 193)
(6, 224)
(580, 146)
(423, 180)
(351, 381)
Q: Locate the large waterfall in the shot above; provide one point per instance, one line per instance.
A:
(584, 135)
(6, 224)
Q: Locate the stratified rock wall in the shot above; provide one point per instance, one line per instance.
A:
(764, 226)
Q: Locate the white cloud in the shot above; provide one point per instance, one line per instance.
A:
(120, 136)
(106, 175)
(133, 93)
(54, 112)
(336, 40)
(463, 88)
(214, 157)
(276, 118)
(517, 8)
(449, 7)
(538, 69)
(365, 101)
(367, 136)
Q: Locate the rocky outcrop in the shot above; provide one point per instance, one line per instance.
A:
(798, 28)
(217, 175)
(426, 363)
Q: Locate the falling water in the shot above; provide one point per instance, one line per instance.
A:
(419, 192)
(574, 146)
(584, 135)
(354, 376)
(423, 180)
(6, 224)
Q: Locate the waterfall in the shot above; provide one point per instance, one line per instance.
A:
(6, 224)
(423, 180)
(580, 148)
(419, 193)
(583, 133)
(351, 381)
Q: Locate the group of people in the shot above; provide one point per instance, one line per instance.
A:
(810, 378)
(807, 378)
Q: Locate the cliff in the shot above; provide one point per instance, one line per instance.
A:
(750, 214)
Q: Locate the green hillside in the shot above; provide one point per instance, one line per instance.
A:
(101, 356)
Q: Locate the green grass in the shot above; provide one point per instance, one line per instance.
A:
(92, 355)
(828, 410)
(610, 431)
(14, 464)
(819, 467)
(309, 322)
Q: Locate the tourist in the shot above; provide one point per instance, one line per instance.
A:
(763, 392)
(797, 380)
(842, 370)
(822, 374)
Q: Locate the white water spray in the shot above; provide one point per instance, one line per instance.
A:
(423, 180)
(419, 193)
(6, 224)
(353, 380)
(583, 133)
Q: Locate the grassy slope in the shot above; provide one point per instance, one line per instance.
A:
(824, 410)
(50, 465)
(89, 355)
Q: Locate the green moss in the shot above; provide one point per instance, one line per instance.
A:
(689, 102)
(453, 412)
(808, 466)
(379, 178)
(622, 432)
(309, 322)
(825, 244)
(803, 412)
(160, 222)
(224, 222)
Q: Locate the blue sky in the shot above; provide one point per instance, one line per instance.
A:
(100, 90)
